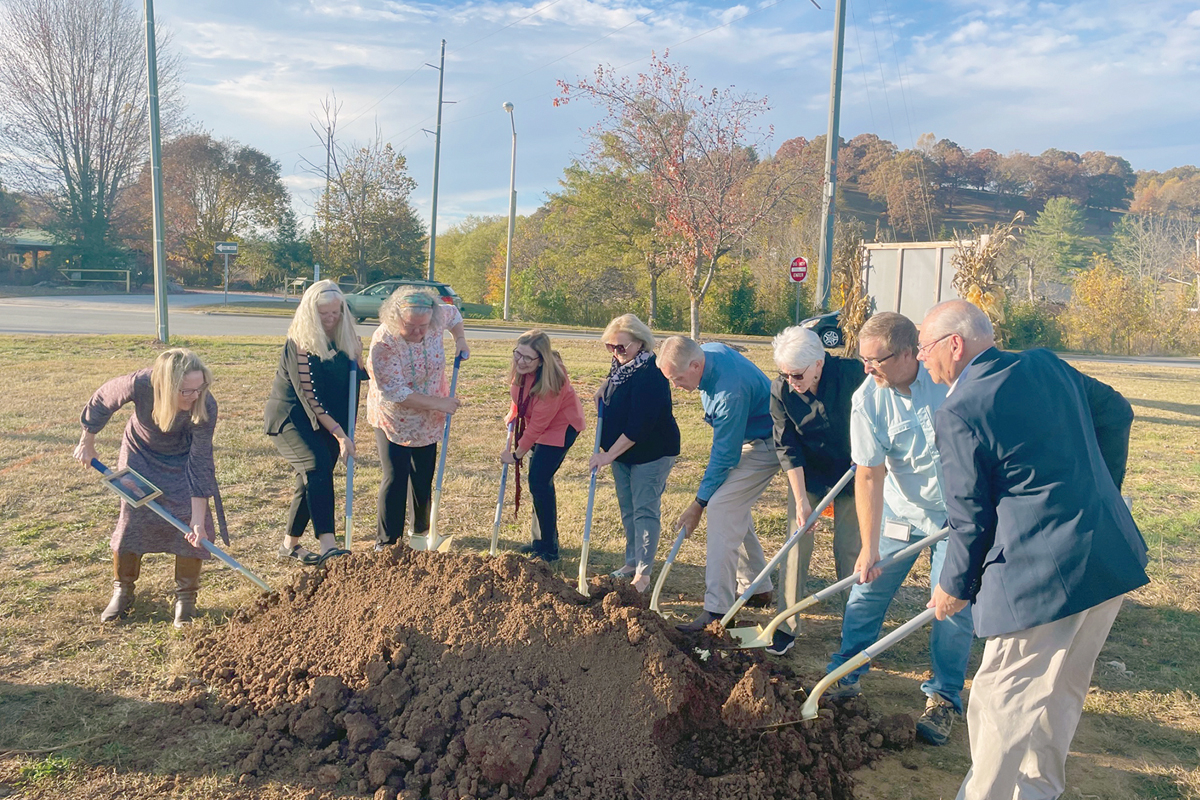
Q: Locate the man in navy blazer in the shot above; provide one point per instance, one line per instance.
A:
(1041, 542)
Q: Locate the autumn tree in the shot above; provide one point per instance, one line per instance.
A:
(1173, 193)
(73, 105)
(697, 149)
(467, 250)
(1108, 310)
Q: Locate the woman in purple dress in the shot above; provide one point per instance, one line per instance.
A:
(168, 440)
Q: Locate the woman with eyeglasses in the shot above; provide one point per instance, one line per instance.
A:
(810, 408)
(547, 417)
(308, 414)
(168, 441)
(408, 401)
(640, 440)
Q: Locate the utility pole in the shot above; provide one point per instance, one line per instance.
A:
(437, 152)
(828, 198)
(160, 260)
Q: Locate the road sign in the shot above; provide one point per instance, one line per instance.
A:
(799, 269)
(226, 248)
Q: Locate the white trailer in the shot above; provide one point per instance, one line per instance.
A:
(909, 277)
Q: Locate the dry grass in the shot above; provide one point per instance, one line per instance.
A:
(64, 678)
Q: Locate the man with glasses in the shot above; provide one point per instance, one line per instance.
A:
(1041, 543)
(735, 395)
(899, 497)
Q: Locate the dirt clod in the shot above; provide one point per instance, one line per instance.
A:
(417, 675)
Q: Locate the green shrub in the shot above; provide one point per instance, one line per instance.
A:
(1028, 325)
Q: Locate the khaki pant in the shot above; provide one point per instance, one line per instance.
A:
(734, 556)
(1025, 703)
(846, 546)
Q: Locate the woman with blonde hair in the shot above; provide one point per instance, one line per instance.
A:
(408, 402)
(308, 413)
(547, 417)
(640, 440)
(168, 440)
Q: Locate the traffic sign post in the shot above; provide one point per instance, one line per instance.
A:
(798, 271)
(226, 249)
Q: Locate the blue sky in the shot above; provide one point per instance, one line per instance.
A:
(1010, 75)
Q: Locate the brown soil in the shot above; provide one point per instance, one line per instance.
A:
(414, 675)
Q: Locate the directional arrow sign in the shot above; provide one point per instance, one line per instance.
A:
(227, 248)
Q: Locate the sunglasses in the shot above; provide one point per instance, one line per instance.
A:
(793, 377)
(619, 349)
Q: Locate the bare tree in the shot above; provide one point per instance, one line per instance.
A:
(73, 104)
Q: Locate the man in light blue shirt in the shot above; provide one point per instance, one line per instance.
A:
(898, 493)
(736, 397)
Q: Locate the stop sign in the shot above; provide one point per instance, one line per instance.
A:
(799, 269)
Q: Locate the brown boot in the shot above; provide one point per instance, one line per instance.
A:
(187, 586)
(126, 567)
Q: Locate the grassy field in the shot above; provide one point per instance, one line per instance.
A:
(84, 707)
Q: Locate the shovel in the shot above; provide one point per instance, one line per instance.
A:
(666, 570)
(747, 637)
(500, 499)
(433, 541)
(350, 461)
(162, 512)
(809, 711)
(587, 522)
(743, 633)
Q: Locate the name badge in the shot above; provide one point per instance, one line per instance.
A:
(895, 529)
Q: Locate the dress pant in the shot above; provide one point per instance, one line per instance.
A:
(639, 496)
(403, 468)
(846, 546)
(312, 454)
(1026, 700)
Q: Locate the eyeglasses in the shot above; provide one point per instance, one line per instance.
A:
(925, 348)
(193, 392)
(519, 356)
(619, 349)
(876, 363)
(793, 377)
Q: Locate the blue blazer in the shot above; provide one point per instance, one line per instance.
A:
(1033, 455)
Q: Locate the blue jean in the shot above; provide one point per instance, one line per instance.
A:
(949, 640)
(639, 495)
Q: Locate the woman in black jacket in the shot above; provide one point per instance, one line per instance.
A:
(640, 440)
(308, 413)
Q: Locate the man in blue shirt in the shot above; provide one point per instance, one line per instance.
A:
(736, 397)
(898, 493)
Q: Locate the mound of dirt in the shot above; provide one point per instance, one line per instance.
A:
(415, 675)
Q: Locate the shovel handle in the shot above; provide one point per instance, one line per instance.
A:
(783, 551)
(500, 499)
(353, 406)
(591, 502)
(433, 539)
(666, 569)
(205, 543)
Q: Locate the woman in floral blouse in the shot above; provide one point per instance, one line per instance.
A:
(408, 401)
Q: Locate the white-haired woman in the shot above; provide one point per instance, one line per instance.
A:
(408, 401)
(168, 440)
(639, 439)
(810, 409)
(308, 413)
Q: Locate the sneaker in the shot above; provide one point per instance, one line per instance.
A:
(761, 600)
(934, 725)
(781, 643)
(699, 623)
(844, 689)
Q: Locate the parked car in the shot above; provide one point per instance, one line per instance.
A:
(367, 302)
(828, 327)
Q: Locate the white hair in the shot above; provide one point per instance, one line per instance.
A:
(961, 317)
(679, 352)
(306, 330)
(797, 348)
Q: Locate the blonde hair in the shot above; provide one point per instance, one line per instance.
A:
(629, 323)
(551, 375)
(410, 299)
(679, 352)
(167, 376)
(306, 329)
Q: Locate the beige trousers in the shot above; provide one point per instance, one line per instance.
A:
(846, 546)
(1025, 703)
(734, 556)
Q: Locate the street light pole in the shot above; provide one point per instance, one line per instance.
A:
(512, 207)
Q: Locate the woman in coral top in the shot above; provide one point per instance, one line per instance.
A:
(547, 417)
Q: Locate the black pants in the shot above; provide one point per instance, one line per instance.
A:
(401, 466)
(313, 455)
(544, 461)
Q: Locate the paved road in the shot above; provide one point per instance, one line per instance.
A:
(134, 314)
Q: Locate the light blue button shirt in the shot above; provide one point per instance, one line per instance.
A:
(887, 427)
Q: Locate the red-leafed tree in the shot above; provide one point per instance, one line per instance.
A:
(697, 150)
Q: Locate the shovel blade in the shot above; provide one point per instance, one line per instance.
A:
(747, 638)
